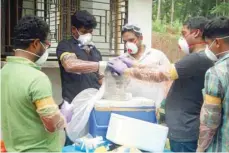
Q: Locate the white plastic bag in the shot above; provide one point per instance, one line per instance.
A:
(83, 104)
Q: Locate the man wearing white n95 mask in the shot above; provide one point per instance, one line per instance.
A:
(80, 62)
(136, 50)
(184, 100)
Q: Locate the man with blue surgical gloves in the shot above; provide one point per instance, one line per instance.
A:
(184, 100)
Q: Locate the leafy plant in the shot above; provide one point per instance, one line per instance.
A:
(221, 9)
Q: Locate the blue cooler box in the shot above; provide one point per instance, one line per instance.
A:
(99, 118)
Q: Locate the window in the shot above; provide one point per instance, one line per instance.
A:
(12, 11)
(111, 15)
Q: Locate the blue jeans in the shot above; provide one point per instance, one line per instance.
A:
(183, 146)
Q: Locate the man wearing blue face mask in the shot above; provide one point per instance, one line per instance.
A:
(214, 118)
(30, 119)
(81, 64)
(184, 100)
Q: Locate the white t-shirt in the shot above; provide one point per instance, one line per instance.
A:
(150, 90)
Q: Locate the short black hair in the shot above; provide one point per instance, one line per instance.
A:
(198, 22)
(84, 19)
(217, 28)
(28, 28)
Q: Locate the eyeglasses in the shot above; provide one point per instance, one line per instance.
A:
(46, 44)
(131, 27)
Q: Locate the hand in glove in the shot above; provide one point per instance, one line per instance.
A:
(67, 111)
(129, 62)
(117, 66)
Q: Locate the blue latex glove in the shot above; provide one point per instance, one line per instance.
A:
(117, 66)
(67, 111)
(129, 62)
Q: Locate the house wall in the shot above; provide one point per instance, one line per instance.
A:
(140, 13)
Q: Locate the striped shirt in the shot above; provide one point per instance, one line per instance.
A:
(217, 85)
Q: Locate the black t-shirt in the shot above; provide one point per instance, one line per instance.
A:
(72, 83)
(184, 100)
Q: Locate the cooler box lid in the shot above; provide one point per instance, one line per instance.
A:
(136, 133)
(134, 102)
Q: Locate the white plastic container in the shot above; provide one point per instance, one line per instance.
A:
(131, 132)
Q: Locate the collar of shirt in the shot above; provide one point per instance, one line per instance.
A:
(22, 60)
(223, 58)
(146, 53)
(75, 41)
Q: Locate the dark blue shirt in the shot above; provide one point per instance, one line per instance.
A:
(72, 83)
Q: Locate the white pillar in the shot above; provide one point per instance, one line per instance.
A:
(140, 13)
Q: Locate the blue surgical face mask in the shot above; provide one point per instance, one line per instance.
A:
(210, 54)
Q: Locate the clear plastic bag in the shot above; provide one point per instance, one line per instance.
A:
(115, 87)
(83, 104)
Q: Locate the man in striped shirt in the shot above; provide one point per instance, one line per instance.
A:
(214, 118)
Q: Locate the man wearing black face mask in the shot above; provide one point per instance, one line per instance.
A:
(79, 60)
(184, 100)
(214, 118)
(30, 119)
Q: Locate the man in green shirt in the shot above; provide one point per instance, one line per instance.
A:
(30, 118)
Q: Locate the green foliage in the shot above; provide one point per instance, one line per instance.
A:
(159, 27)
(221, 9)
(164, 27)
(183, 9)
(177, 25)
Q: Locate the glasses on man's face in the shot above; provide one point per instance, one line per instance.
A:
(46, 44)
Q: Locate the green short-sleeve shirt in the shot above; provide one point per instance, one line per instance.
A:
(22, 83)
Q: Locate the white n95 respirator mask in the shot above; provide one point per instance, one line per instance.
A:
(211, 55)
(85, 39)
(132, 48)
(183, 44)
